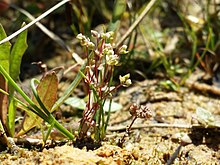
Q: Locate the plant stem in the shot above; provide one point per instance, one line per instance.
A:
(60, 127)
(11, 81)
(128, 129)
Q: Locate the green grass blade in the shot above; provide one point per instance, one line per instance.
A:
(11, 117)
(18, 89)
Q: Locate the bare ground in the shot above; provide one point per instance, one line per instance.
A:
(168, 137)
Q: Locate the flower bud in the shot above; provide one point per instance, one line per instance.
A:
(108, 35)
(80, 36)
(112, 59)
(124, 80)
(95, 34)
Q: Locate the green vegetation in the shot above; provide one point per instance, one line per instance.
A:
(171, 52)
(10, 60)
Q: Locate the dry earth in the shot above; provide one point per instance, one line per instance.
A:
(168, 137)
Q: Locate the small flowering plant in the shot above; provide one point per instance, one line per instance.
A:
(101, 62)
(136, 111)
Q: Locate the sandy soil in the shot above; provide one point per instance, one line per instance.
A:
(168, 137)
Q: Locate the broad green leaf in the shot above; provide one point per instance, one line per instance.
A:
(119, 9)
(204, 116)
(47, 91)
(169, 85)
(78, 103)
(4, 62)
(17, 52)
(4, 50)
(15, 58)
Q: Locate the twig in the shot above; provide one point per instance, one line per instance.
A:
(174, 155)
(28, 142)
(7, 141)
(203, 87)
(134, 25)
(34, 21)
(159, 125)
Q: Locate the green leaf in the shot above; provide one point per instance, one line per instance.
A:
(114, 106)
(50, 119)
(78, 103)
(4, 62)
(169, 85)
(119, 9)
(17, 52)
(4, 50)
(15, 58)
(47, 91)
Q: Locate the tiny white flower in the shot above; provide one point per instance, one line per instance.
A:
(80, 36)
(112, 59)
(108, 45)
(108, 35)
(91, 45)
